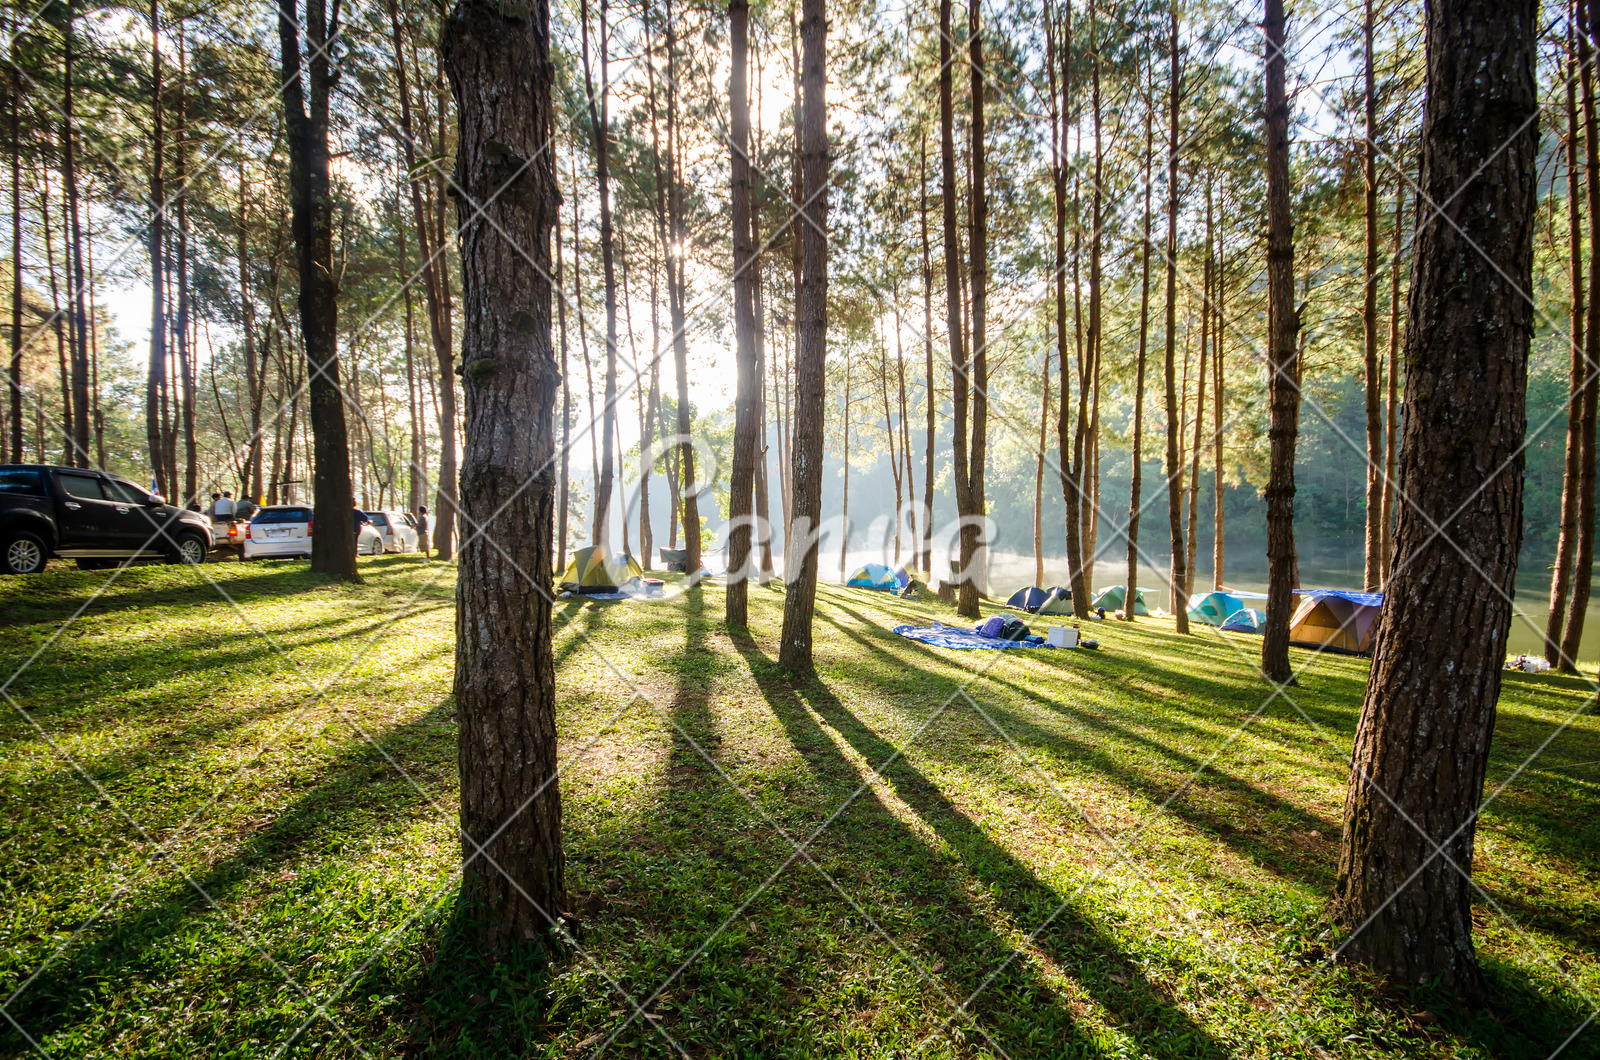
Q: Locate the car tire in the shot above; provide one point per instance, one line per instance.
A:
(191, 549)
(23, 552)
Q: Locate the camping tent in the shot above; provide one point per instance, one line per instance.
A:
(902, 577)
(1057, 601)
(1029, 599)
(1036, 601)
(873, 576)
(1245, 620)
(1112, 599)
(1213, 608)
(594, 570)
(1335, 620)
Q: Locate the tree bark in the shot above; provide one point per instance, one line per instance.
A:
(16, 264)
(747, 397)
(1174, 465)
(600, 129)
(927, 354)
(155, 378)
(564, 477)
(501, 75)
(1219, 319)
(180, 276)
(1583, 554)
(974, 548)
(435, 282)
(677, 290)
(1373, 565)
(72, 240)
(333, 552)
(794, 650)
(1135, 506)
(1404, 894)
(1392, 431)
(1566, 542)
(1283, 360)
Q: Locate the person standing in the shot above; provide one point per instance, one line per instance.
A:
(422, 529)
(223, 507)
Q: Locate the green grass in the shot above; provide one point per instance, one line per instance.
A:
(228, 830)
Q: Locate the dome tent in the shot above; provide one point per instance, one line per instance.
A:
(1336, 620)
(594, 570)
(1057, 601)
(1027, 599)
(1112, 599)
(873, 576)
(1245, 620)
(1213, 608)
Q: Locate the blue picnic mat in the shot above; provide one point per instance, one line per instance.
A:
(964, 639)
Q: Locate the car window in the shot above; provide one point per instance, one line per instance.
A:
(84, 486)
(378, 518)
(281, 515)
(21, 480)
(127, 492)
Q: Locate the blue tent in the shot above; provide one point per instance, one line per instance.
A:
(873, 576)
(1214, 608)
(902, 577)
(1245, 620)
(1029, 599)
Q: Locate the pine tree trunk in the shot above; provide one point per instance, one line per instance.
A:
(1135, 504)
(155, 379)
(1403, 894)
(1583, 554)
(959, 383)
(974, 546)
(794, 650)
(332, 553)
(435, 282)
(600, 132)
(1282, 361)
(927, 353)
(1174, 465)
(16, 265)
(1391, 440)
(1373, 565)
(500, 71)
(1566, 542)
(72, 233)
(747, 397)
(186, 351)
(1218, 327)
(565, 474)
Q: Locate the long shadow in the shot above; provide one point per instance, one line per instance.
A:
(1020, 1009)
(1534, 1020)
(58, 596)
(350, 793)
(1246, 799)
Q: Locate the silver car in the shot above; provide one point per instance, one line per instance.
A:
(284, 531)
(396, 529)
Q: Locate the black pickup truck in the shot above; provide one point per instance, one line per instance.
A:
(99, 520)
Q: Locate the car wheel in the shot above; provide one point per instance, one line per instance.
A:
(191, 550)
(23, 552)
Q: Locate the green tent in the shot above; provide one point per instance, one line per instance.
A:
(1113, 598)
(594, 570)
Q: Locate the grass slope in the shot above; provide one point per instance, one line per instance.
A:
(228, 831)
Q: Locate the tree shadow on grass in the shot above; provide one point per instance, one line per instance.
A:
(355, 795)
(1529, 1018)
(1025, 1013)
(1238, 820)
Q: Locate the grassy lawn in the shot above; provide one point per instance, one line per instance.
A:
(228, 830)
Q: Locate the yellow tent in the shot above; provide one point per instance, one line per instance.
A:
(1332, 620)
(594, 570)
